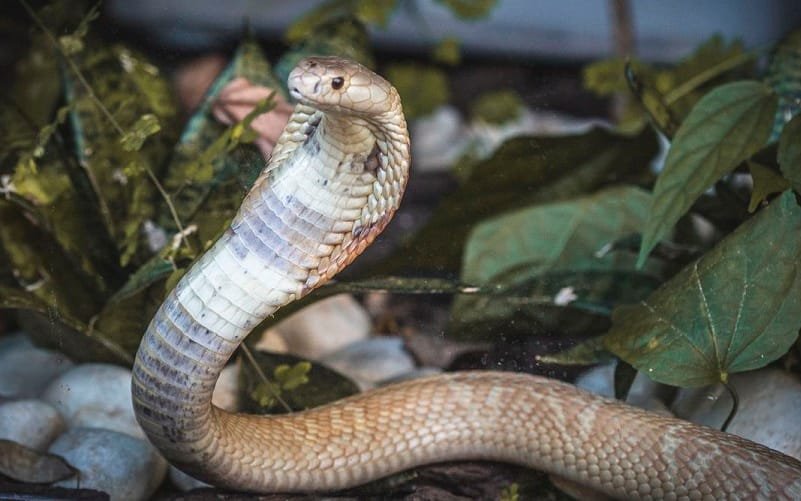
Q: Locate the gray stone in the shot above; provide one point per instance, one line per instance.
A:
(770, 400)
(226, 390)
(185, 482)
(15, 341)
(26, 370)
(373, 360)
(417, 373)
(95, 396)
(127, 468)
(32, 423)
(325, 327)
(644, 392)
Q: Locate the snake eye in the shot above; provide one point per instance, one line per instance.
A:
(337, 83)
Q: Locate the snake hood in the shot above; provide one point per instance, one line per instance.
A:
(335, 85)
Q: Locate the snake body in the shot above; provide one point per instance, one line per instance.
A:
(334, 180)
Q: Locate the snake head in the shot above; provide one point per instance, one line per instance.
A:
(333, 84)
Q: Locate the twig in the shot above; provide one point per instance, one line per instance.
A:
(735, 406)
(168, 201)
(73, 67)
(623, 40)
(263, 377)
(117, 127)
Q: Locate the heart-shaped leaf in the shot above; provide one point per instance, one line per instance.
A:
(735, 309)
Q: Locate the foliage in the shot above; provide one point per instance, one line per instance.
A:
(296, 383)
(672, 89)
(523, 171)
(423, 88)
(734, 309)
(688, 311)
(497, 107)
(726, 127)
(89, 186)
(540, 238)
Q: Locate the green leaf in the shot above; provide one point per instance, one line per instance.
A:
(124, 196)
(342, 36)
(523, 171)
(147, 125)
(124, 321)
(40, 186)
(20, 299)
(497, 107)
(708, 55)
(36, 84)
(423, 88)
(376, 12)
(553, 254)
(470, 9)
(733, 310)
(652, 101)
(289, 378)
(606, 77)
(789, 155)
(73, 43)
(724, 128)
(209, 172)
(559, 236)
(154, 270)
(784, 75)
(32, 253)
(300, 383)
(510, 493)
(766, 182)
(447, 51)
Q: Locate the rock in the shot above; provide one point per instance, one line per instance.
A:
(32, 423)
(227, 388)
(95, 396)
(25, 370)
(325, 327)
(15, 341)
(271, 341)
(770, 400)
(644, 392)
(185, 482)
(438, 139)
(372, 360)
(125, 467)
(416, 373)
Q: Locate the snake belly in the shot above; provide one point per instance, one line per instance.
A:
(334, 181)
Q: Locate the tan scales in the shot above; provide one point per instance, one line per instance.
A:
(334, 181)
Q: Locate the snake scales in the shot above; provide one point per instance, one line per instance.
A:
(335, 179)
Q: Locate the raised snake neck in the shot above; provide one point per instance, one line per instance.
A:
(335, 178)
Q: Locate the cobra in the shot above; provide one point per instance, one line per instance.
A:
(334, 181)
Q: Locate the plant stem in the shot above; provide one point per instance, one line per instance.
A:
(263, 377)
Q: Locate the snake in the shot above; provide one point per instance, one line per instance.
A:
(333, 182)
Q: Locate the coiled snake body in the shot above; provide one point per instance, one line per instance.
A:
(335, 179)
